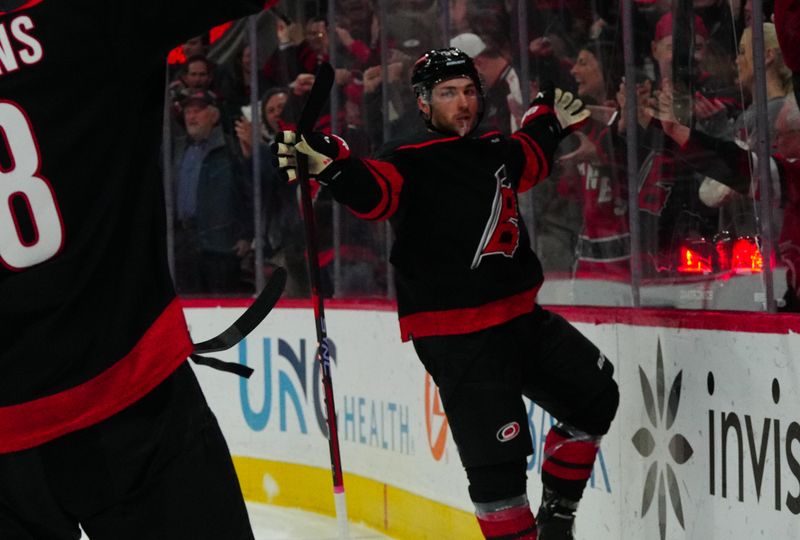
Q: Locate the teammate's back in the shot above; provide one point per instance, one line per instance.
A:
(93, 342)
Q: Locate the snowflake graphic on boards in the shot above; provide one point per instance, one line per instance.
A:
(662, 409)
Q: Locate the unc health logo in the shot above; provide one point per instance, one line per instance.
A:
(662, 410)
(435, 419)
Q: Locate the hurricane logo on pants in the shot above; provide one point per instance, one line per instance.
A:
(508, 432)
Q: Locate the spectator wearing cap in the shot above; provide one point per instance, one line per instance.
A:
(211, 220)
(711, 86)
(502, 92)
(661, 46)
(196, 74)
(670, 209)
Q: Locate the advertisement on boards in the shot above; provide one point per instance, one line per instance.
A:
(706, 443)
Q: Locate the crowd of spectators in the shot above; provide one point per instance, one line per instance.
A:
(581, 214)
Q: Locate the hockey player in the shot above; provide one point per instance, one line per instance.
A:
(467, 283)
(102, 422)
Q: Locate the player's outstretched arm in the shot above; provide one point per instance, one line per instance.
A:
(370, 188)
(552, 116)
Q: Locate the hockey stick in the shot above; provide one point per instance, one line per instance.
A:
(245, 324)
(323, 82)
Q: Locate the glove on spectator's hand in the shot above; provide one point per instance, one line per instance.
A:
(322, 150)
(568, 110)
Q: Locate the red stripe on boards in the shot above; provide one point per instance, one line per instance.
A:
(723, 321)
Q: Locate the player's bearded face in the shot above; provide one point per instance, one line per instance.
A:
(454, 106)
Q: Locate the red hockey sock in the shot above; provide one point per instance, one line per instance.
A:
(511, 523)
(568, 462)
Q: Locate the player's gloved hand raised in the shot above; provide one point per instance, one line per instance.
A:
(322, 150)
(569, 111)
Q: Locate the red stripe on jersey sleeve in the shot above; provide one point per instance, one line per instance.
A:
(465, 320)
(427, 143)
(536, 166)
(159, 352)
(390, 182)
(26, 5)
(534, 112)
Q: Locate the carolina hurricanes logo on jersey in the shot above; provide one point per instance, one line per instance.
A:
(656, 186)
(501, 235)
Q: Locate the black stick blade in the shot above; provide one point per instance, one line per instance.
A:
(250, 318)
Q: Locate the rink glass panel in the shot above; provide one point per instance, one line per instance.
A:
(699, 247)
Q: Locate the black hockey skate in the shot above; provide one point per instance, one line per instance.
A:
(555, 519)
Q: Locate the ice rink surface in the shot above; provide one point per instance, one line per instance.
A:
(281, 523)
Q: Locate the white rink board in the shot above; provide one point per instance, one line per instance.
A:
(380, 390)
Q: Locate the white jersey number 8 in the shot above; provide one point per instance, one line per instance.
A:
(23, 190)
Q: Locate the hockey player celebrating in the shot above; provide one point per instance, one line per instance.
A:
(102, 422)
(467, 282)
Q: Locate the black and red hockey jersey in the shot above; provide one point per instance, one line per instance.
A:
(603, 248)
(90, 322)
(462, 254)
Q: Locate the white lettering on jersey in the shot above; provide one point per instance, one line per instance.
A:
(501, 235)
(33, 52)
(8, 62)
(25, 195)
(595, 182)
(17, 44)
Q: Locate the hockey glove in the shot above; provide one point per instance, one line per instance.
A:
(569, 112)
(322, 150)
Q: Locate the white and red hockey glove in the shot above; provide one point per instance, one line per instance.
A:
(322, 150)
(569, 111)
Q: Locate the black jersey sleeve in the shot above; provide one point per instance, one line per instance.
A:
(164, 24)
(533, 145)
(720, 159)
(370, 188)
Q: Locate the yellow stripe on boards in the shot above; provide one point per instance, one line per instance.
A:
(392, 511)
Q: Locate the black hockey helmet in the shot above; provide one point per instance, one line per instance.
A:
(439, 65)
